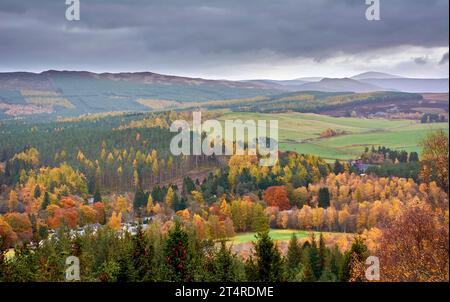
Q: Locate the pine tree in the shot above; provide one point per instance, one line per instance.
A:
(97, 196)
(335, 260)
(322, 253)
(142, 256)
(357, 254)
(179, 203)
(177, 255)
(324, 198)
(338, 167)
(224, 265)
(269, 264)
(46, 201)
(294, 256)
(37, 192)
(314, 259)
(307, 273)
(140, 200)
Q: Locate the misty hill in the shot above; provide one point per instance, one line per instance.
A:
(364, 82)
(374, 75)
(340, 85)
(411, 84)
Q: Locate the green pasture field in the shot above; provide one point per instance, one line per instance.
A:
(278, 235)
(301, 132)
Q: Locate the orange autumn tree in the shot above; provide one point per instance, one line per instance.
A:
(88, 215)
(276, 196)
(434, 164)
(21, 225)
(99, 208)
(66, 215)
(415, 247)
(115, 220)
(7, 236)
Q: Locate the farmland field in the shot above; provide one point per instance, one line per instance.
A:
(301, 132)
(278, 235)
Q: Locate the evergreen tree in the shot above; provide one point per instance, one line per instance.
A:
(307, 273)
(142, 256)
(188, 185)
(46, 201)
(177, 255)
(140, 200)
(324, 198)
(91, 185)
(322, 253)
(357, 254)
(179, 203)
(294, 257)
(335, 260)
(37, 192)
(97, 196)
(269, 264)
(338, 167)
(314, 259)
(225, 265)
(413, 157)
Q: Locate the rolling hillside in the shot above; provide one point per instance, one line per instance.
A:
(53, 94)
(68, 93)
(301, 132)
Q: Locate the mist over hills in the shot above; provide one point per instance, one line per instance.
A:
(365, 82)
(374, 75)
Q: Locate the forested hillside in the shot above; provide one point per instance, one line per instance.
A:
(106, 189)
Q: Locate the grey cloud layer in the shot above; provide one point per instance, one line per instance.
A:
(126, 32)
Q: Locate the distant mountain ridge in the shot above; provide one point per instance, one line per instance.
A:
(341, 85)
(374, 75)
(364, 82)
(138, 77)
(71, 93)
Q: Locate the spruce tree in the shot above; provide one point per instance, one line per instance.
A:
(322, 253)
(335, 260)
(46, 201)
(294, 256)
(269, 264)
(97, 196)
(140, 200)
(314, 259)
(324, 198)
(338, 167)
(177, 255)
(142, 256)
(307, 273)
(357, 254)
(37, 192)
(224, 264)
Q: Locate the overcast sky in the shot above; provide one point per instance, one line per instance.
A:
(232, 39)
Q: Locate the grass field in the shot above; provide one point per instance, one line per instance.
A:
(282, 235)
(301, 132)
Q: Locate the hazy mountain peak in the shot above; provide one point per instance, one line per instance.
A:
(374, 75)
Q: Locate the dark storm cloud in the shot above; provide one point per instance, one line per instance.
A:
(127, 34)
(421, 60)
(444, 59)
